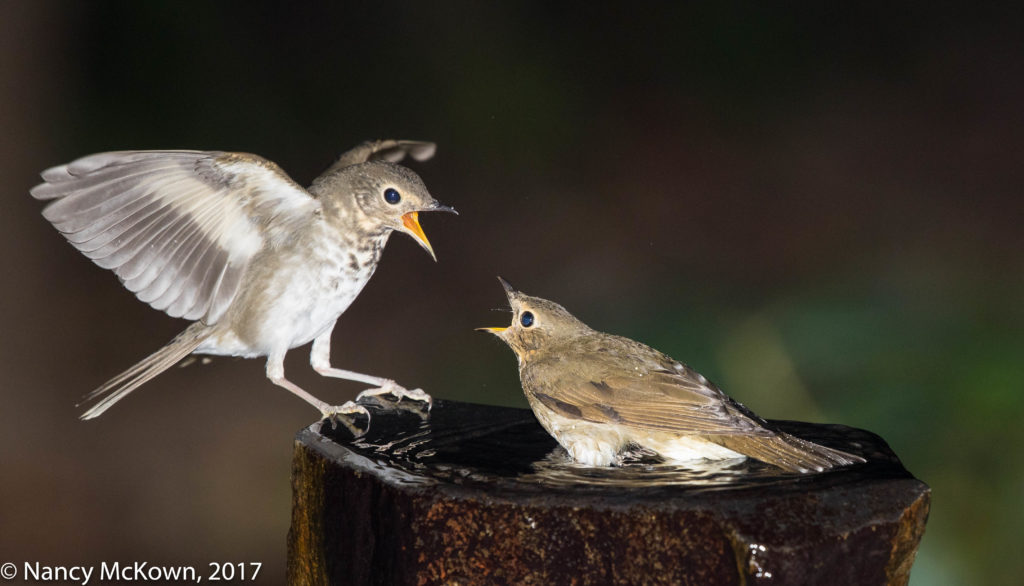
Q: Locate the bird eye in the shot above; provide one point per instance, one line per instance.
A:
(392, 196)
(526, 319)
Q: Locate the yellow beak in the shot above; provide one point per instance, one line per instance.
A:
(494, 331)
(411, 221)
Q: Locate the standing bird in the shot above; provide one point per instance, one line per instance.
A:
(230, 241)
(600, 394)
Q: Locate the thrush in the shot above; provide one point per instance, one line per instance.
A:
(600, 395)
(232, 242)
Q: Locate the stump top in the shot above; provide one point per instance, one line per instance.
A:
(468, 450)
(477, 494)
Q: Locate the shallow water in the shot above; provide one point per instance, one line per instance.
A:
(505, 448)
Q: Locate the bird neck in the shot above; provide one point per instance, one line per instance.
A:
(350, 233)
(346, 217)
(525, 348)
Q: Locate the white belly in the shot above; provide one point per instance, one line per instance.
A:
(311, 309)
(601, 444)
(291, 309)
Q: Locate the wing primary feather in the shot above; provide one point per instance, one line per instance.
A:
(188, 265)
(122, 236)
(149, 245)
(182, 264)
(92, 240)
(788, 452)
(187, 240)
(153, 269)
(98, 196)
(84, 226)
(192, 283)
(143, 231)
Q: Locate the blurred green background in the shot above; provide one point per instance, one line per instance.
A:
(819, 208)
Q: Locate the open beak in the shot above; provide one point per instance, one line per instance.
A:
(411, 221)
(440, 208)
(509, 291)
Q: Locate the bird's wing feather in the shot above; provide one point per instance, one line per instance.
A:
(177, 227)
(642, 390)
(392, 151)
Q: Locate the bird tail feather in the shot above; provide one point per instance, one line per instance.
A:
(788, 452)
(118, 387)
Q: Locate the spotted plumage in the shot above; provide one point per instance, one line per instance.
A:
(230, 241)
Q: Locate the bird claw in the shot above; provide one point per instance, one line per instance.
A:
(398, 392)
(336, 414)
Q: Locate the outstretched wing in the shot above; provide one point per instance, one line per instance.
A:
(177, 227)
(392, 151)
(643, 389)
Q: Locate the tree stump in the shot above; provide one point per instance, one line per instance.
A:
(483, 495)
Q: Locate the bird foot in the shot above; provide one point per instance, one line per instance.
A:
(335, 414)
(398, 392)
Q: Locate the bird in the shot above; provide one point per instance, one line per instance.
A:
(229, 241)
(600, 395)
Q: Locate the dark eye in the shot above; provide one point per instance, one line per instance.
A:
(392, 196)
(526, 319)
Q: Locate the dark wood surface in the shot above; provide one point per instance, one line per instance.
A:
(475, 494)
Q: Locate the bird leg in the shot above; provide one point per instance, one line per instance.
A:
(320, 359)
(332, 413)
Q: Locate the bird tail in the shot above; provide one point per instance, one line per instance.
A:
(787, 452)
(118, 387)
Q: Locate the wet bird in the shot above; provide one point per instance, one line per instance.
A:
(600, 395)
(230, 241)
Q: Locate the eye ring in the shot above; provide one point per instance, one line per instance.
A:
(392, 196)
(526, 319)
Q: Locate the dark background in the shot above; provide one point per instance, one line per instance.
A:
(819, 208)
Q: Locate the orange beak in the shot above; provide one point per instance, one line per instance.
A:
(411, 221)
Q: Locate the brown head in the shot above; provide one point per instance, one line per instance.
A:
(536, 323)
(386, 197)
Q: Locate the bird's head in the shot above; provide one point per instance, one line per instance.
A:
(536, 323)
(387, 196)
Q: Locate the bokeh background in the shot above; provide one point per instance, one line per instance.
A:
(819, 208)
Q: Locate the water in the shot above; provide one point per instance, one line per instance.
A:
(505, 449)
